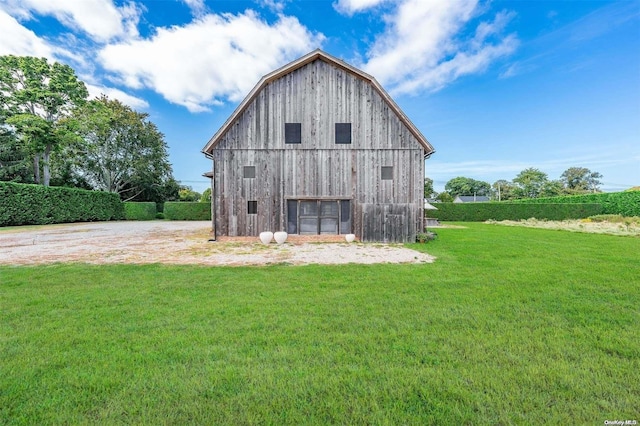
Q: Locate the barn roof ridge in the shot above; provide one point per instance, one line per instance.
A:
(299, 63)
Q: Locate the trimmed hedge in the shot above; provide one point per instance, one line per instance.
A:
(479, 212)
(624, 203)
(23, 204)
(140, 210)
(179, 210)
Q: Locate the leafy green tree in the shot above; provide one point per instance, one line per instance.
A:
(530, 183)
(578, 180)
(14, 160)
(503, 190)
(467, 186)
(428, 188)
(552, 188)
(168, 191)
(444, 197)
(206, 196)
(34, 96)
(120, 151)
(187, 193)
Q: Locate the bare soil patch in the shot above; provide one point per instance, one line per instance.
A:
(628, 228)
(178, 243)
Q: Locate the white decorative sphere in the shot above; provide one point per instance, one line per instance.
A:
(266, 237)
(280, 237)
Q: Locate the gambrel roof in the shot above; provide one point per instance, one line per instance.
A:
(298, 63)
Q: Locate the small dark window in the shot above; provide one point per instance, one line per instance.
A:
(343, 132)
(252, 207)
(292, 133)
(249, 171)
(387, 172)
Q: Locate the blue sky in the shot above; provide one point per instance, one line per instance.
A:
(495, 86)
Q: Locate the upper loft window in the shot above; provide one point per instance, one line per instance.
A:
(343, 133)
(387, 172)
(249, 172)
(292, 133)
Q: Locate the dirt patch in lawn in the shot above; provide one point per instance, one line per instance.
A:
(630, 227)
(179, 243)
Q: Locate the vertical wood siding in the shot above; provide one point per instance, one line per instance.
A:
(318, 95)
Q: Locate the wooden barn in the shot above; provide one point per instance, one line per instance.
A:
(318, 147)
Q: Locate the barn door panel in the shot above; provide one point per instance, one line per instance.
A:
(387, 222)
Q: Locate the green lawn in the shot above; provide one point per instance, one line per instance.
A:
(509, 325)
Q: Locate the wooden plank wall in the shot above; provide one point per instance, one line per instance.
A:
(317, 95)
(389, 222)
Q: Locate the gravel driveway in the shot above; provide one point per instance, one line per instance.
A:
(177, 243)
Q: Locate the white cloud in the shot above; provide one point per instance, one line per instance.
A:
(113, 93)
(100, 19)
(197, 7)
(512, 70)
(349, 7)
(425, 47)
(18, 40)
(214, 58)
(276, 6)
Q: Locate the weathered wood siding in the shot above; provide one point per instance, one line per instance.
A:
(318, 95)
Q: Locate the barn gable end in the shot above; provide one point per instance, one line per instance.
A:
(318, 147)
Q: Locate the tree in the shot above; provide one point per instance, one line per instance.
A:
(577, 180)
(206, 196)
(552, 188)
(34, 96)
(187, 193)
(428, 188)
(444, 197)
(120, 151)
(37, 135)
(530, 183)
(503, 190)
(14, 161)
(467, 186)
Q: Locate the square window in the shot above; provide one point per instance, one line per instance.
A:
(328, 208)
(292, 133)
(250, 171)
(329, 225)
(309, 225)
(387, 172)
(252, 207)
(308, 208)
(343, 132)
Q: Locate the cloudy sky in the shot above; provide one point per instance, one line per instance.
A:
(496, 86)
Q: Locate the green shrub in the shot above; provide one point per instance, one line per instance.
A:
(176, 210)
(479, 212)
(140, 210)
(425, 237)
(23, 204)
(625, 203)
(159, 215)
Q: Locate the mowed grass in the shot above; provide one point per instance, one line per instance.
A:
(508, 326)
